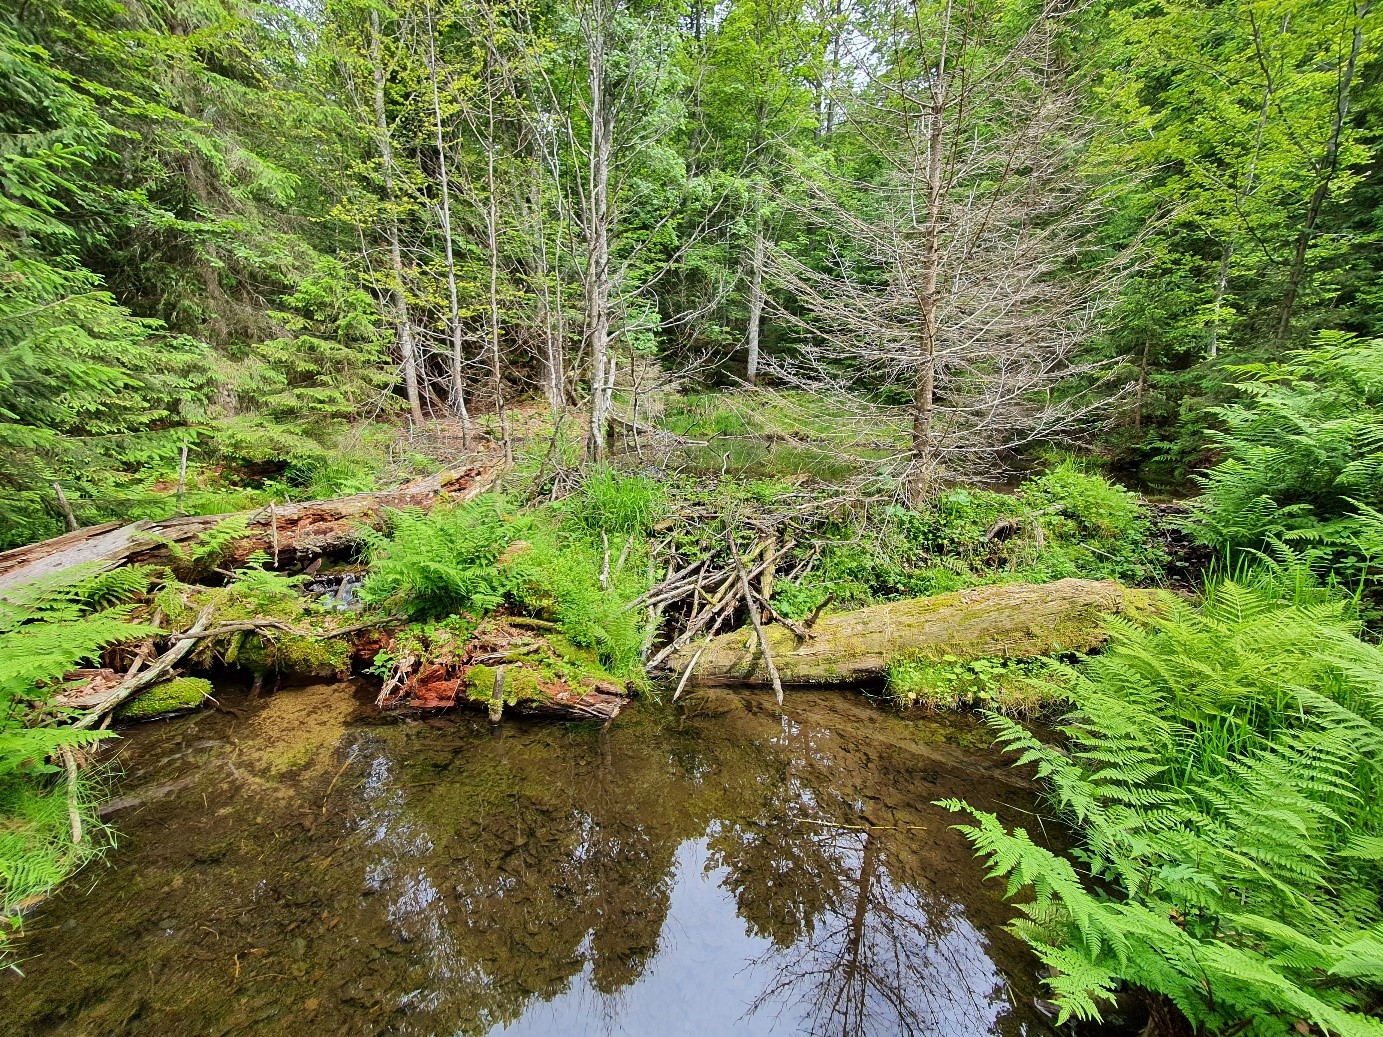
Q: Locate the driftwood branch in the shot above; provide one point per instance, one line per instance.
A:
(165, 662)
(753, 607)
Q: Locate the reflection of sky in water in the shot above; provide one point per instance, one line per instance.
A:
(900, 965)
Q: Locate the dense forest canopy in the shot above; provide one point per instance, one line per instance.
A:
(250, 227)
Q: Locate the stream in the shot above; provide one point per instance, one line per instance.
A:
(310, 868)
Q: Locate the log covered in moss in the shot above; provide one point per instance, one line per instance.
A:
(1005, 621)
(500, 666)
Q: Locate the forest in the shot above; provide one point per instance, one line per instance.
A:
(1021, 358)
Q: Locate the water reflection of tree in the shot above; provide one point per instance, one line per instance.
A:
(881, 956)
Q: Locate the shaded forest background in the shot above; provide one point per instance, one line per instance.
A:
(275, 234)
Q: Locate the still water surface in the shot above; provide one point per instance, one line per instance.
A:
(307, 869)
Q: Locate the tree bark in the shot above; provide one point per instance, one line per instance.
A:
(924, 399)
(458, 381)
(304, 530)
(597, 231)
(1012, 621)
(756, 303)
(407, 347)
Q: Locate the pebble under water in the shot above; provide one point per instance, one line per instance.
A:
(307, 868)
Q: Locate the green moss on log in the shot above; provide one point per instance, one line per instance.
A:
(1004, 621)
(175, 696)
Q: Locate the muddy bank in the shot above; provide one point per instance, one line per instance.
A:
(719, 869)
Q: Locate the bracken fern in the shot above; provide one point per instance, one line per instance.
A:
(1224, 768)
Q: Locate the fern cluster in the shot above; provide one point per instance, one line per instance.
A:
(1303, 459)
(1225, 770)
(476, 558)
(47, 629)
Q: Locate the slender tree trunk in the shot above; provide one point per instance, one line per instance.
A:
(756, 301)
(1221, 285)
(1328, 169)
(597, 282)
(492, 248)
(407, 348)
(458, 383)
(924, 399)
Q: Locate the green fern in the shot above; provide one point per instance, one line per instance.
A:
(47, 629)
(1224, 768)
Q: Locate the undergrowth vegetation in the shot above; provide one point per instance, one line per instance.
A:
(1302, 464)
(1223, 768)
(1067, 522)
(482, 556)
(48, 824)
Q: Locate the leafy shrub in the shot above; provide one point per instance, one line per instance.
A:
(1303, 459)
(1224, 770)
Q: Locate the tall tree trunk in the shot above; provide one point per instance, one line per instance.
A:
(458, 383)
(597, 230)
(1221, 286)
(756, 301)
(924, 398)
(407, 348)
(492, 248)
(1329, 166)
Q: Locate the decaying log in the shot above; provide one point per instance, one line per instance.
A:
(503, 667)
(298, 532)
(1013, 621)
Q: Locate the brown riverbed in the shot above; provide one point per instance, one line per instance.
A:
(308, 868)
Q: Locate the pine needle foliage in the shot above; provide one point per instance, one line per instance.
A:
(47, 629)
(1224, 768)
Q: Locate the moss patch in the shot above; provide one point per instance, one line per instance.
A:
(175, 696)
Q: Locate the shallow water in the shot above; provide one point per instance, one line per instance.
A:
(725, 869)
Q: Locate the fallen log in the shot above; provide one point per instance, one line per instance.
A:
(1008, 621)
(295, 532)
(502, 667)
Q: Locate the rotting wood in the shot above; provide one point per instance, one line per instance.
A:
(1014, 621)
(182, 644)
(304, 531)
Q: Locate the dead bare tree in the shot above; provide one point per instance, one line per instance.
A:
(966, 274)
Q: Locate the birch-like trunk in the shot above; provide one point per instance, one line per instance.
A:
(492, 249)
(756, 304)
(458, 382)
(597, 229)
(407, 347)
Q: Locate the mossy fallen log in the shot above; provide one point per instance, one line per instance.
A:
(295, 533)
(1005, 621)
(500, 666)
